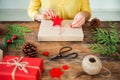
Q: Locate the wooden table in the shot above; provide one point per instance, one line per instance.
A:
(75, 71)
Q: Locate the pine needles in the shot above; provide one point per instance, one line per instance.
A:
(15, 30)
(106, 40)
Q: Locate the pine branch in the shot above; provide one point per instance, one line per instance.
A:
(106, 40)
(101, 36)
(5, 45)
(103, 49)
(17, 29)
(114, 35)
(98, 48)
(112, 49)
(109, 36)
(17, 44)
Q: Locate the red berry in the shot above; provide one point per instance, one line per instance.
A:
(14, 37)
(65, 67)
(9, 41)
(45, 53)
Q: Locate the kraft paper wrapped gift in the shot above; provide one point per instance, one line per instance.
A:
(20, 68)
(48, 32)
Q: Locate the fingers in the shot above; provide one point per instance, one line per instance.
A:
(43, 16)
(78, 21)
(48, 14)
(51, 13)
(76, 17)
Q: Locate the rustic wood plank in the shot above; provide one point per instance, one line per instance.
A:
(75, 71)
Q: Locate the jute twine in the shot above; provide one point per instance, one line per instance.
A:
(92, 65)
(19, 65)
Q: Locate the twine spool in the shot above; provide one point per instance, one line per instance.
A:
(91, 64)
(1, 54)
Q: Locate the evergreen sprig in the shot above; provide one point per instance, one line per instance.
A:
(15, 30)
(103, 49)
(5, 45)
(98, 48)
(114, 35)
(17, 43)
(106, 40)
(101, 36)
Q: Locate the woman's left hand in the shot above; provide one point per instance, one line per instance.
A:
(79, 20)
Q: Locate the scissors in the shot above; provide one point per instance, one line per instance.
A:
(62, 52)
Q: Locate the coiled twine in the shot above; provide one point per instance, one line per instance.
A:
(91, 64)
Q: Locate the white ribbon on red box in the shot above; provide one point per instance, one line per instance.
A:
(18, 65)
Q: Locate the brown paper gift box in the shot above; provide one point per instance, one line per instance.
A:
(48, 32)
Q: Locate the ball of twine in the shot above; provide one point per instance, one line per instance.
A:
(91, 64)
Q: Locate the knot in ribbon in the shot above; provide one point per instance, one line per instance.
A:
(18, 64)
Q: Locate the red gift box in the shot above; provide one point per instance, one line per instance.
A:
(19, 68)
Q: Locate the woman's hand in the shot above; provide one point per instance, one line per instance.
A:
(48, 14)
(80, 19)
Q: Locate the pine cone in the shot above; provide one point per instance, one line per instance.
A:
(29, 49)
(95, 23)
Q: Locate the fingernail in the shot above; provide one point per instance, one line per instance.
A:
(48, 14)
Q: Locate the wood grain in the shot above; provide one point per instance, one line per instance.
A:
(75, 71)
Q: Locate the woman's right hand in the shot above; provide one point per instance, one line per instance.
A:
(48, 14)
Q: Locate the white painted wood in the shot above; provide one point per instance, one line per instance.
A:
(14, 15)
(95, 4)
(21, 15)
(106, 14)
